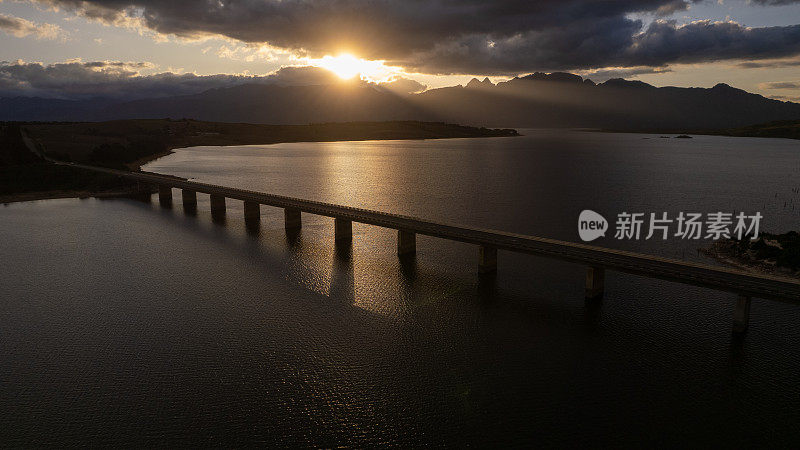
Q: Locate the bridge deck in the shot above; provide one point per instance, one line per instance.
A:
(719, 278)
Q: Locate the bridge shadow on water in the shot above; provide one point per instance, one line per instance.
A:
(312, 260)
(422, 350)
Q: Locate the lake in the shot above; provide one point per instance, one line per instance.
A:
(123, 323)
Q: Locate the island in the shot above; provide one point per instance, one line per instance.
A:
(26, 147)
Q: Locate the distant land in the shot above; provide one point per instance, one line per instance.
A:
(788, 129)
(556, 100)
(25, 174)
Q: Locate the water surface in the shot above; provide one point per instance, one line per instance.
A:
(127, 324)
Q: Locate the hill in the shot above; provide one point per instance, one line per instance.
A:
(537, 100)
(566, 100)
(126, 141)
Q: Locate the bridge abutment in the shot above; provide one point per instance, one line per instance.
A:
(217, 207)
(595, 282)
(292, 219)
(741, 315)
(406, 243)
(165, 196)
(487, 259)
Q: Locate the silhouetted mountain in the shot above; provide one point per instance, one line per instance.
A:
(477, 84)
(566, 100)
(536, 100)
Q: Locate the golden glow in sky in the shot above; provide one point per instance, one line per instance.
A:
(347, 66)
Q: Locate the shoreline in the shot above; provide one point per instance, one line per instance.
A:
(720, 253)
(137, 165)
(781, 129)
(244, 139)
(62, 194)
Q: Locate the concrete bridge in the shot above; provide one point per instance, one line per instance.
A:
(597, 260)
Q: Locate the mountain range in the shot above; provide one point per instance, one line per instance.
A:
(536, 100)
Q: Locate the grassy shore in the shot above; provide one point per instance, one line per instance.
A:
(128, 144)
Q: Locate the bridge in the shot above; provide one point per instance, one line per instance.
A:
(597, 260)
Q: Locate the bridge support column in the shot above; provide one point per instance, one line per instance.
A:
(189, 201)
(292, 219)
(252, 213)
(217, 207)
(406, 243)
(487, 259)
(741, 315)
(595, 282)
(165, 196)
(343, 231)
(143, 192)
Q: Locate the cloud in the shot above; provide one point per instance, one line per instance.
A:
(401, 85)
(775, 2)
(704, 40)
(19, 27)
(672, 7)
(780, 85)
(608, 73)
(247, 53)
(123, 80)
(785, 98)
(458, 36)
(770, 64)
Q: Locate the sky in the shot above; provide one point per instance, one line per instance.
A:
(137, 48)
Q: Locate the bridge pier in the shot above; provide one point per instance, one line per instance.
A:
(189, 199)
(165, 196)
(343, 231)
(595, 282)
(741, 315)
(252, 213)
(217, 207)
(143, 192)
(292, 219)
(406, 243)
(487, 259)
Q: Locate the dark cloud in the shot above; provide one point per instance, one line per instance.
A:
(780, 85)
(613, 42)
(122, 80)
(785, 98)
(775, 2)
(460, 36)
(769, 64)
(665, 42)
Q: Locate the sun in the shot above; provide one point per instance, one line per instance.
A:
(347, 66)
